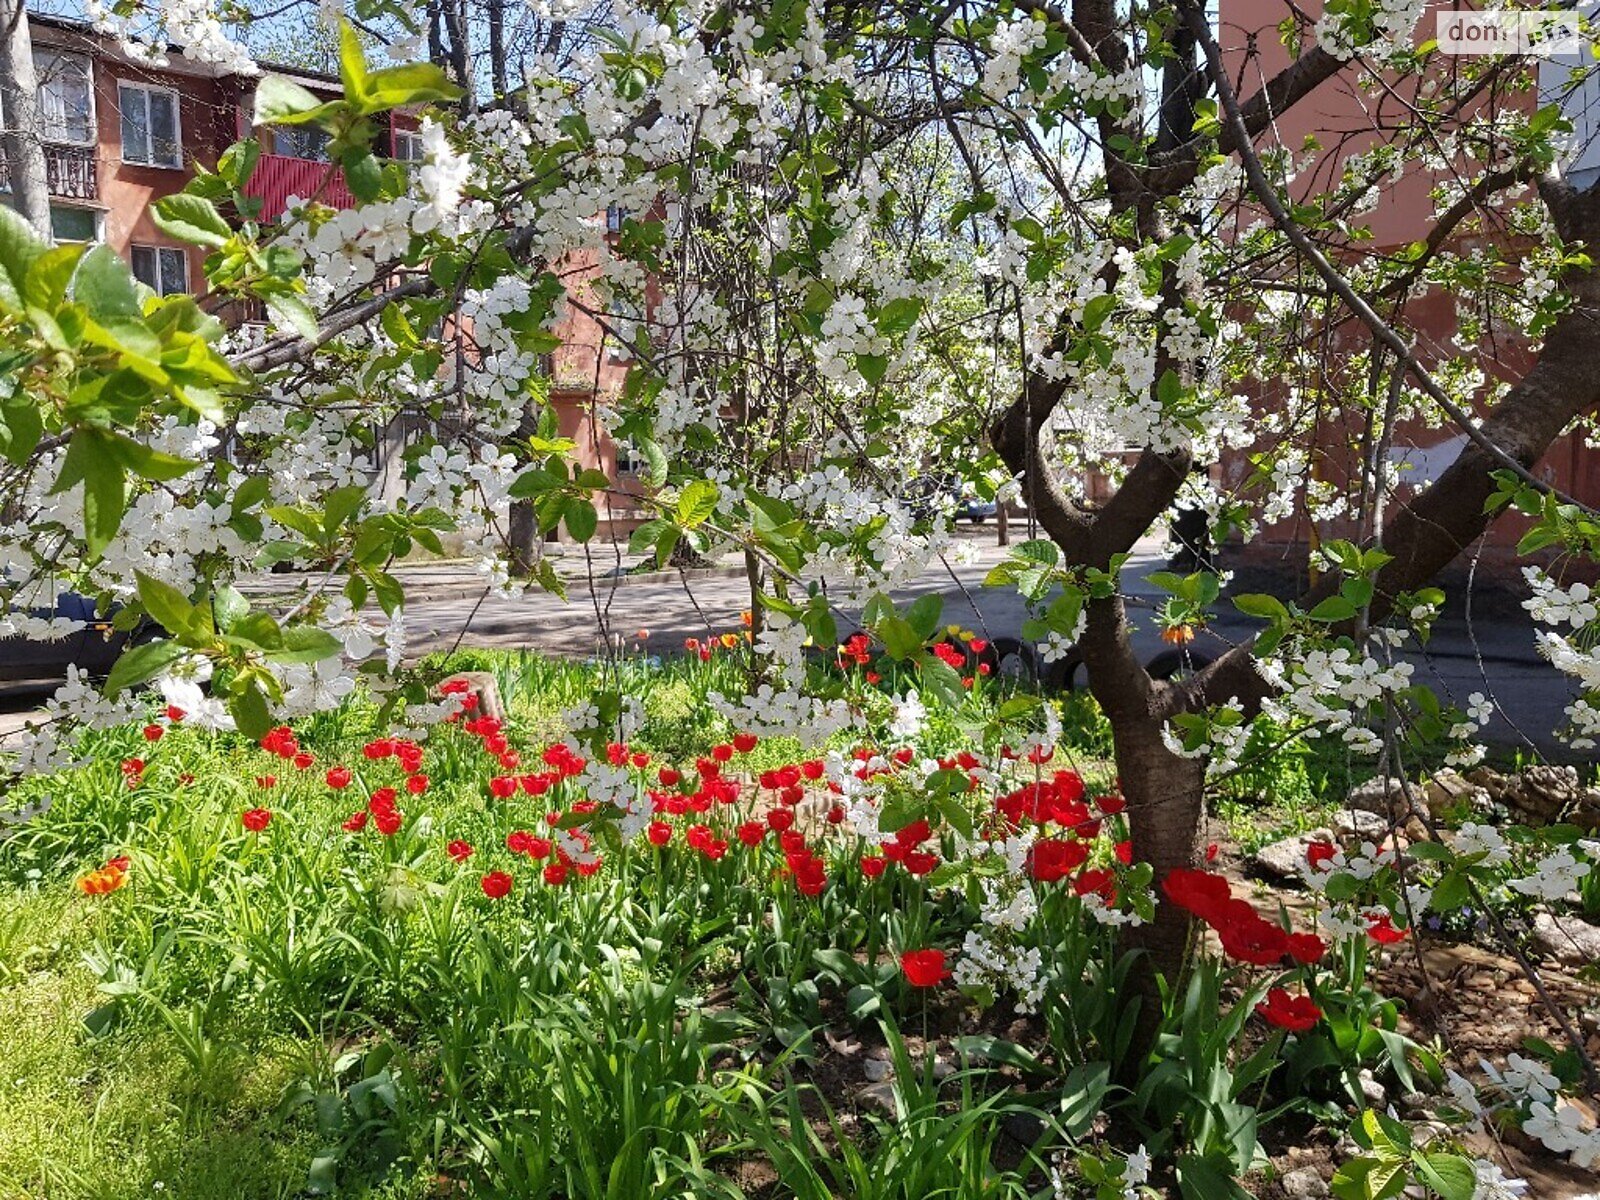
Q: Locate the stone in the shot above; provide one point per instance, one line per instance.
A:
(878, 1095)
(1543, 791)
(1303, 1183)
(1384, 796)
(1372, 1090)
(1359, 823)
(876, 1070)
(1568, 940)
(1450, 790)
(1283, 860)
(480, 684)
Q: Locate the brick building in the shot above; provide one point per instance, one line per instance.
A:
(120, 134)
(1343, 119)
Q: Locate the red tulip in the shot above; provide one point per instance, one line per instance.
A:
(923, 968)
(1381, 930)
(496, 884)
(1294, 1013)
(339, 778)
(256, 819)
(1306, 948)
(459, 850)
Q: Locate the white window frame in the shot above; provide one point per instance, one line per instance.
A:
(123, 87)
(412, 137)
(183, 257)
(97, 214)
(43, 53)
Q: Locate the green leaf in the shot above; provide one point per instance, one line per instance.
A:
(90, 461)
(1333, 608)
(278, 99)
(1257, 604)
(169, 607)
(898, 316)
(872, 367)
(1096, 311)
(1039, 550)
(21, 427)
(192, 219)
(142, 664)
(923, 615)
(363, 172)
(104, 285)
(1207, 1178)
(20, 248)
(228, 607)
(899, 637)
(408, 83)
(581, 518)
(352, 65)
(248, 707)
(293, 313)
(306, 644)
(697, 503)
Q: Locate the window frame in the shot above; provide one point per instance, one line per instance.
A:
(147, 89)
(158, 251)
(96, 215)
(294, 132)
(87, 63)
(410, 136)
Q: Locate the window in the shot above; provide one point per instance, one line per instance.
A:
(163, 269)
(408, 146)
(74, 224)
(622, 318)
(149, 126)
(66, 97)
(631, 462)
(615, 216)
(301, 142)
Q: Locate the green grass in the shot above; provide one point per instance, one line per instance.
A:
(300, 1010)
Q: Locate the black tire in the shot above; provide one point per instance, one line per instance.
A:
(1012, 658)
(1064, 674)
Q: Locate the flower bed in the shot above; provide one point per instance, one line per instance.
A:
(528, 958)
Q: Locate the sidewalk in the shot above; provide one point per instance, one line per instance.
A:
(609, 564)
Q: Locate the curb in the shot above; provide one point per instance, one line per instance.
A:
(426, 594)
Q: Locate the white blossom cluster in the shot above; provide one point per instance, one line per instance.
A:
(769, 712)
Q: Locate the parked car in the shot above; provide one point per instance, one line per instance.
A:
(929, 494)
(93, 648)
(975, 509)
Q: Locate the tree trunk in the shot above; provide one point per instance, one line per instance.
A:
(1166, 803)
(522, 534)
(19, 100)
(498, 76)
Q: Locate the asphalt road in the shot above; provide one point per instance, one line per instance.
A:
(1501, 663)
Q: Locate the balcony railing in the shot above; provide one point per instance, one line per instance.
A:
(277, 177)
(70, 172)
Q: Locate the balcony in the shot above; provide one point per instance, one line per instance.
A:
(277, 177)
(70, 172)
